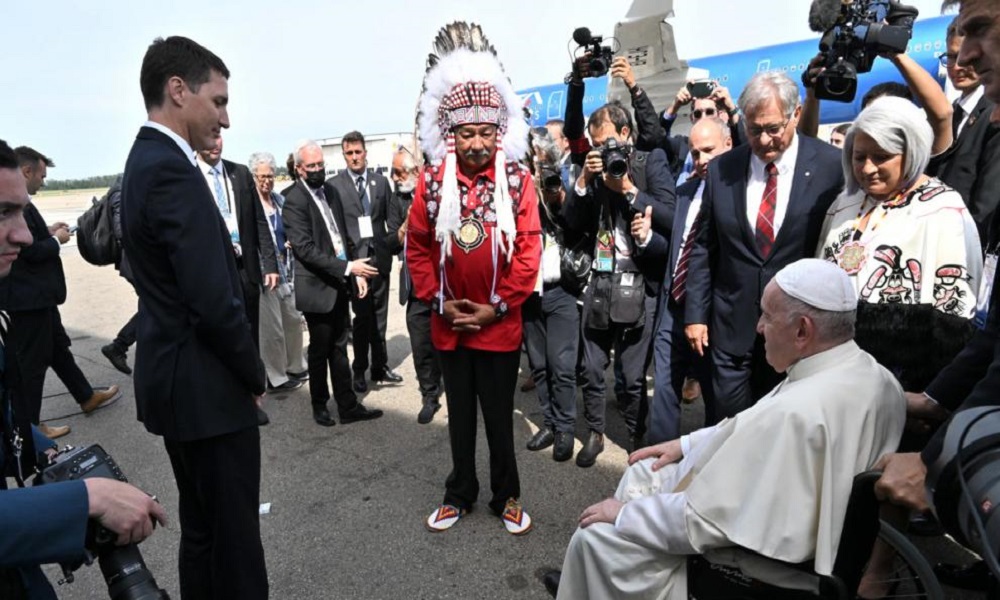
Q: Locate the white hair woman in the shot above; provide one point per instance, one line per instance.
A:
(908, 243)
(281, 347)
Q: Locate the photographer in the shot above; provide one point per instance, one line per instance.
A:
(617, 184)
(654, 131)
(47, 524)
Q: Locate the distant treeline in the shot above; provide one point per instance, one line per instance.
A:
(103, 181)
(87, 183)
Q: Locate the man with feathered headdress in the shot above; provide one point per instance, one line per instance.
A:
(473, 248)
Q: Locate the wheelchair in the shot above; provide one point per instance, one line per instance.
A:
(739, 574)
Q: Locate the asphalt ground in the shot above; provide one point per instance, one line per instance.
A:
(347, 503)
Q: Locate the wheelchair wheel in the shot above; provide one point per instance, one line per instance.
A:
(912, 576)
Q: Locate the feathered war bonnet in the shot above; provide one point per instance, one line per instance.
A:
(466, 84)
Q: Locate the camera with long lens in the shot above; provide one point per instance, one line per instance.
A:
(863, 30)
(600, 57)
(122, 566)
(551, 179)
(964, 481)
(615, 158)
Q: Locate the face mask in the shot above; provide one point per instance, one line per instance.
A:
(406, 187)
(315, 179)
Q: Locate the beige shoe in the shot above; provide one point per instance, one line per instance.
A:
(99, 398)
(56, 431)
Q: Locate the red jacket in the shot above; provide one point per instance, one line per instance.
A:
(469, 274)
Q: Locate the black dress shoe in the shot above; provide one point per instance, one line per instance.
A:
(563, 449)
(291, 384)
(322, 416)
(360, 387)
(303, 376)
(542, 439)
(388, 376)
(360, 413)
(551, 582)
(976, 576)
(262, 417)
(117, 357)
(594, 446)
(431, 406)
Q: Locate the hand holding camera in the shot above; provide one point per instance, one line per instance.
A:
(622, 70)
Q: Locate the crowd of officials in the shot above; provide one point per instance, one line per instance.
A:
(609, 240)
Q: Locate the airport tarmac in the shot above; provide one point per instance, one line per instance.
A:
(347, 503)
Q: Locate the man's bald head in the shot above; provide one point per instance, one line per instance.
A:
(708, 138)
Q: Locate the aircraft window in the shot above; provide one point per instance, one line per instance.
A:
(927, 46)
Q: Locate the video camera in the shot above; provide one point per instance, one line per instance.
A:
(855, 33)
(600, 56)
(122, 566)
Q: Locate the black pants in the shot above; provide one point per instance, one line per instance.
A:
(425, 359)
(126, 336)
(371, 314)
(491, 378)
(740, 381)
(40, 342)
(632, 347)
(551, 336)
(327, 355)
(674, 360)
(218, 484)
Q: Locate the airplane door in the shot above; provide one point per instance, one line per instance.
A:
(554, 109)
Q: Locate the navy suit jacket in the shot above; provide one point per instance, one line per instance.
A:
(36, 278)
(379, 195)
(320, 277)
(196, 364)
(727, 272)
(255, 234)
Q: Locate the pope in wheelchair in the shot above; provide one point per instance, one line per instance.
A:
(774, 480)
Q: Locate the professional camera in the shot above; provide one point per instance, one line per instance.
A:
(600, 56)
(122, 566)
(860, 31)
(551, 179)
(615, 158)
(964, 481)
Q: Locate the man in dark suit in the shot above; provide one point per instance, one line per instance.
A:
(32, 295)
(673, 356)
(235, 195)
(316, 228)
(602, 208)
(972, 164)
(764, 204)
(198, 376)
(418, 314)
(365, 196)
(45, 524)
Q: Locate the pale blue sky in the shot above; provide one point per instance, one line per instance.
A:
(305, 68)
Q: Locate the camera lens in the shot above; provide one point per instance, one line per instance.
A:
(552, 182)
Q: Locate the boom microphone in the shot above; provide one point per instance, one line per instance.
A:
(823, 14)
(582, 37)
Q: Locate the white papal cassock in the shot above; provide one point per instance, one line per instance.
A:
(774, 479)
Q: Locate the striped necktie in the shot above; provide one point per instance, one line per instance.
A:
(765, 216)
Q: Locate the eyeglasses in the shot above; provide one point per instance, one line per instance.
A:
(265, 177)
(316, 166)
(772, 130)
(948, 59)
(707, 112)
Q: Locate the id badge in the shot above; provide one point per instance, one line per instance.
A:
(365, 227)
(604, 255)
(627, 279)
(985, 290)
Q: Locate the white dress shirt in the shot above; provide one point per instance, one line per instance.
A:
(968, 104)
(331, 226)
(689, 221)
(757, 181)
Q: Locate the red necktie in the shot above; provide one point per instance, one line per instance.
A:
(765, 216)
(678, 291)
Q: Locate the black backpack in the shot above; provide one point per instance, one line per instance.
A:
(95, 234)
